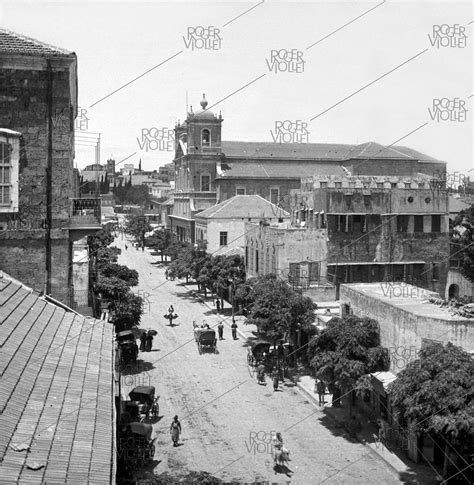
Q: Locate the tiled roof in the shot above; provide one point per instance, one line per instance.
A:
(243, 206)
(318, 151)
(13, 43)
(56, 392)
(277, 169)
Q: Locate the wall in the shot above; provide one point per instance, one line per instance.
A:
(280, 247)
(24, 108)
(466, 287)
(227, 187)
(402, 331)
(235, 229)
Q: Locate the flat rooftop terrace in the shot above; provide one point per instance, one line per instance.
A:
(408, 298)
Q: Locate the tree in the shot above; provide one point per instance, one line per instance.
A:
(243, 297)
(278, 310)
(137, 194)
(111, 288)
(127, 275)
(345, 352)
(126, 311)
(161, 240)
(461, 237)
(434, 394)
(137, 226)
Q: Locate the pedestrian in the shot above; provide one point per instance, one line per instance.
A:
(166, 273)
(320, 388)
(126, 247)
(218, 305)
(275, 378)
(143, 342)
(261, 373)
(234, 330)
(222, 304)
(149, 342)
(220, 329)
(175, 430)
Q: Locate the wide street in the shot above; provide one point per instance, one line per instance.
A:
(226, 417)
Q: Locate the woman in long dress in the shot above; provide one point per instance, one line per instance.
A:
(175, 430)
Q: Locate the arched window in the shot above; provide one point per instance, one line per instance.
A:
(205, 138)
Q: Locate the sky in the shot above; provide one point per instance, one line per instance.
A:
(349, 72)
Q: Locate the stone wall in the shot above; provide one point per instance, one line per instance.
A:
(465, 287)
(402, 331)
(227, 188)
(25, 92)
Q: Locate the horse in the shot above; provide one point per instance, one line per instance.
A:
(281, 457)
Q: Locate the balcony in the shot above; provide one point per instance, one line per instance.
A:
(85, 214)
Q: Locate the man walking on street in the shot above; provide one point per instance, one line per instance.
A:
(220, 329)
(234, 330)
(218, 305)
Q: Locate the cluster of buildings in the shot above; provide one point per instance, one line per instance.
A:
(337, 221)
(361, 229)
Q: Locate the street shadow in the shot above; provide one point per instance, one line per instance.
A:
(283, 470)
(336, 428)
(137, 368)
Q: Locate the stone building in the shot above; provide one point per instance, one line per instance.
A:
(222, 226)
(209, 170)
(357, 229)
(40, 214)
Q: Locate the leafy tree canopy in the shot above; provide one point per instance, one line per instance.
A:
(127, 311)
(137, 226)
(435, 392)
(129, 276)
(346, 350)
(278, 310)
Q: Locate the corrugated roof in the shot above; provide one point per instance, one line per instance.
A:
(243, 206)
(56, 393)
(13, 43)
(318, 151)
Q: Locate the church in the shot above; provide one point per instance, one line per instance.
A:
(209, 170)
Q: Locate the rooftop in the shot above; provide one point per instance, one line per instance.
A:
(319, 151)
(57, 393)
(18, 44)
(408, 298)
(243, 206)
(275, 169)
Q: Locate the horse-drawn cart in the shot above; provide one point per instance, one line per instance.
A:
(205, 338)
(127, 347)
(258, 353)
(147, 403)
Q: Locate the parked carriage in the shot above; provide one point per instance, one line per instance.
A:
(135, 444)
(205, 338)
(127, 347)
(144, 396)
(258, 353)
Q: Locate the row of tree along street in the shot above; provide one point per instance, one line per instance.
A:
(432, 396)
(111, 282)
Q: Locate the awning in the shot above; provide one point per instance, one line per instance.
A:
(381, 380)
